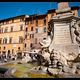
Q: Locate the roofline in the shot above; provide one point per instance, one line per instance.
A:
(49, 11)
(12, 18)
(75, 7)
(35, 16)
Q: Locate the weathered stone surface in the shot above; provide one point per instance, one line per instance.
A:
(77, 71)
(54, 71)
(73, 70)
(27, 58)
(66, 69)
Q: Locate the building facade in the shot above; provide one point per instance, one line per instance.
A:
(12, 35)
(23, 33)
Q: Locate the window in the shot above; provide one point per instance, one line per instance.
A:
(25, 36)
(31, 28)
(4, 48)
(10, 40)
(18, 48)
(26, 29)
(0, 40)
(11, 28)
(44, 29)
(27, 23)
(20, 39)
(44, 21)
(25, 45)
(5, 40)
(6, 29)
(21, 27)
(2, 30)
(36, 22)
(31, 45)
(12, 51)
(31, 22)
(8, 52)
(35, 40)
(36, 30)
(31, 36)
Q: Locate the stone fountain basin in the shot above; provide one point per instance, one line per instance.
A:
(7, 72)
(3, 70)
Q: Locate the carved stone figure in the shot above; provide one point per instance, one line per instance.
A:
(72, 31)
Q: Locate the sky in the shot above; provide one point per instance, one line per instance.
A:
(12, 9)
